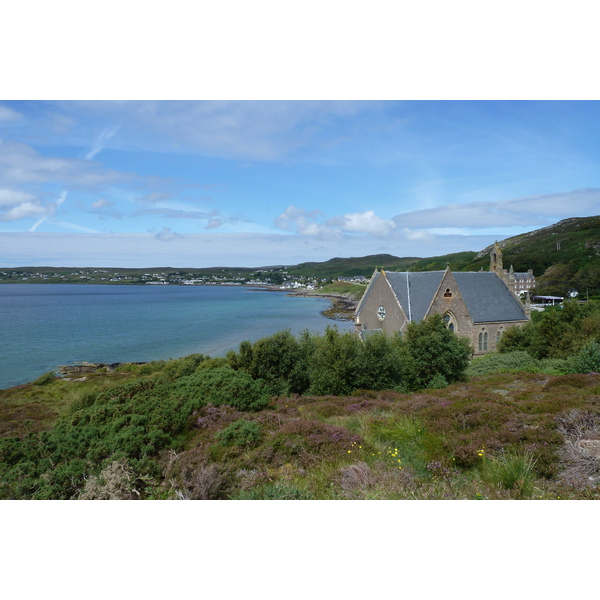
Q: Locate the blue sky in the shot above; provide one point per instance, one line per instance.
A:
(252, 183)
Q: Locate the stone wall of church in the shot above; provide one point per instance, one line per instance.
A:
(483, 337)
(449, 301)
(379, 295)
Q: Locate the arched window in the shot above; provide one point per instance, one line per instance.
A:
(449, 321)
(483, 341)
(499, 335)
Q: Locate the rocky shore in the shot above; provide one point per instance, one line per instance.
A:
(85, 367)
(342, 305)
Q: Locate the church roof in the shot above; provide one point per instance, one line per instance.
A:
(415, 291)
(487, 298)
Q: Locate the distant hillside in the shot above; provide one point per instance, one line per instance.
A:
(564, 256)
(348, 267)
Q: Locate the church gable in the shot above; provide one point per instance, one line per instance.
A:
(379, 307)
(448, 302)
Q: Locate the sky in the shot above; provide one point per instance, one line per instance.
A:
(257, 182)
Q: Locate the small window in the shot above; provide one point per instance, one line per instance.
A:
(447, 293)
(483, 341)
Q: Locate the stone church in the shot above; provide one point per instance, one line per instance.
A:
(478, 305)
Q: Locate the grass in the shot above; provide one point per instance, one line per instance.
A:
(496, 436)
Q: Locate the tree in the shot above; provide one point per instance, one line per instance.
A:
(435, 351)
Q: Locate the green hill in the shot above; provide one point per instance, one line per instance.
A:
(563, 257)
(348, 267)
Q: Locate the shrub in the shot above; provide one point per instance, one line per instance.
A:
(495, 362)
(557, 332)
(274, 491)
(239, 433)
(588, 359)
(435, 351)
(45, 379)
(222, 385)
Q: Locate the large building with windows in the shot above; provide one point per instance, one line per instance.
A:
(478, 305)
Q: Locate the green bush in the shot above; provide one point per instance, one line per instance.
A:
(495, 362)
(338, 363)
(588, 359)
(558, 332)
(239, 433)
(45, 379)
(222, 385)
(436, 351)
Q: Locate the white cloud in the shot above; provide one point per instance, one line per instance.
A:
(24, 210)
(214, 249)
(307, 223)
(50, 209)
(527, 212)
(101, 140)
(364, 222)
(303, 222)
(10, 197)
(102, 203)
(247, 130)
(22, 164)
(167, 235)
(8, 115)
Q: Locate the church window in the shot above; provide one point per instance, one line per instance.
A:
(447, 293)
(483, 341)
(499, 335)
(448, 321)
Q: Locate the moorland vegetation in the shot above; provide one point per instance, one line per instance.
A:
(323, 417)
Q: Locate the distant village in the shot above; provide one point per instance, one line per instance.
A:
(276, 277)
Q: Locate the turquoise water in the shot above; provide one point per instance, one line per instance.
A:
(43, 326)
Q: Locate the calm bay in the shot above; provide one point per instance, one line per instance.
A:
(46, 325)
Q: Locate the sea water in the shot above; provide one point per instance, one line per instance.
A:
(43, 326)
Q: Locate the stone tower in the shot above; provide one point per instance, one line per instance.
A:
(496, 258)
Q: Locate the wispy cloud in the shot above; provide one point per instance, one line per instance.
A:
(214, 249)
(8, 115)
(50, 210)
(526, 212)
(101, 140)
(21, 164)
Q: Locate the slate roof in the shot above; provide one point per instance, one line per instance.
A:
(420, 287)
(486, 296)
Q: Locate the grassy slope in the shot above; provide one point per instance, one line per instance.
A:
(457, 442)
(349, 267)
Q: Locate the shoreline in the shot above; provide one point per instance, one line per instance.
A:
(342, 305)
